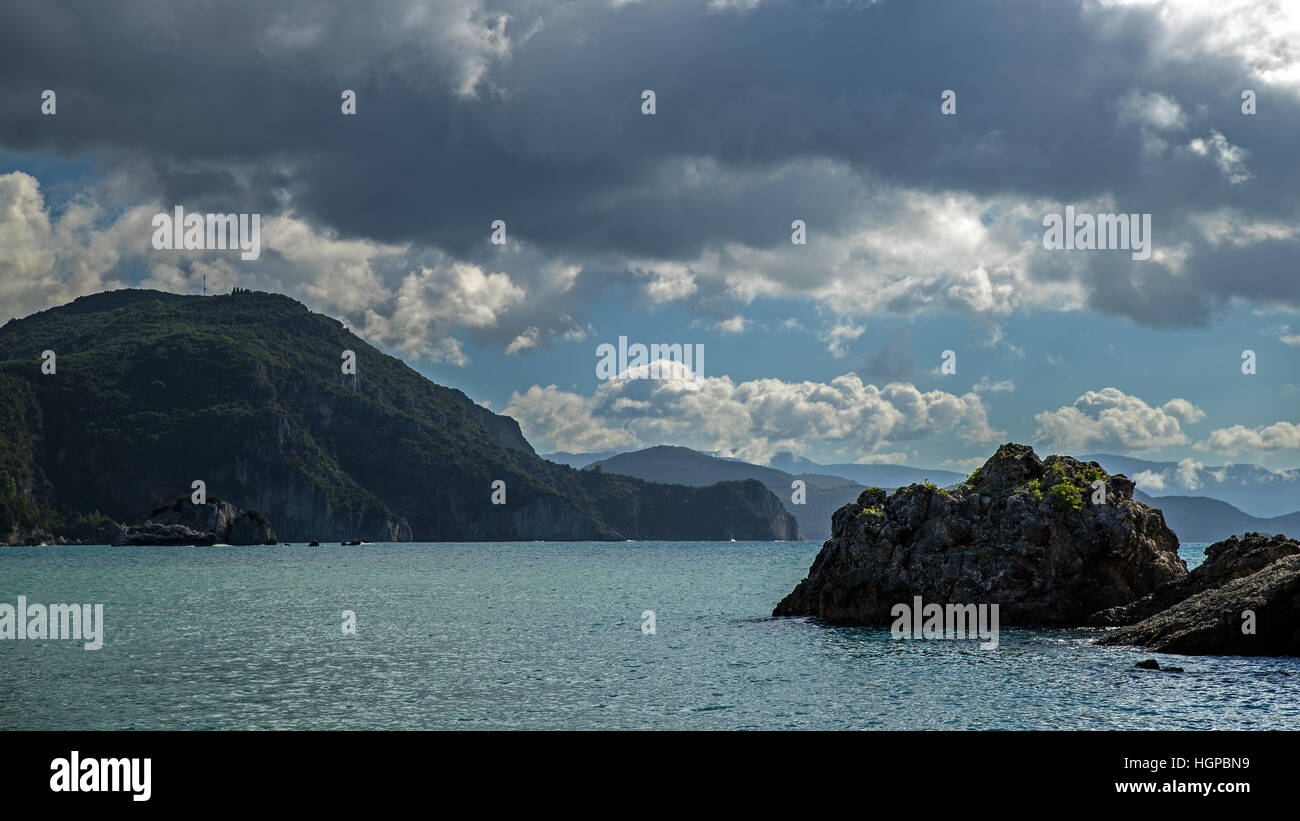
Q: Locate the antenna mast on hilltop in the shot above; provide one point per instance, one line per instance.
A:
(205, 284)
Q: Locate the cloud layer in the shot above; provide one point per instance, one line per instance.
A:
(530, 112)
(751, 420)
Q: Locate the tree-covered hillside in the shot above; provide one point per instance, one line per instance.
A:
(245, 392)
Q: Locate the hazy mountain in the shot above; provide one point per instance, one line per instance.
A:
(579, 460)
(885, 476)
(1250, 488)
(823, 494)
(678, 465)
(1201, 519)
(245, 392)
(1193, 518)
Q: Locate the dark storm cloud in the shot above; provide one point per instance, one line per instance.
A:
(1263, 272)
(892, 363)
(231, 105)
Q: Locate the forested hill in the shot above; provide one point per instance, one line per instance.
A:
(152, 391)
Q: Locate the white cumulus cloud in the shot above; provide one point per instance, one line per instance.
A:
(1112, 418)
(751, 420)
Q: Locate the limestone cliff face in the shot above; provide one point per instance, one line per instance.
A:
(1022, 533)
(502, 428)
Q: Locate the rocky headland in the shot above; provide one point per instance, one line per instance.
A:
(267, 417)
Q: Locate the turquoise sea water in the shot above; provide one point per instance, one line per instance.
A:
(549, 636)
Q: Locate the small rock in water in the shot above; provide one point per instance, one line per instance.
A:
(1148, 664)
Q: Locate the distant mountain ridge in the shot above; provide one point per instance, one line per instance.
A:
(870, 475)
(579, 460)
(824, 492)
(1193, 518)
(154, 390)
(1249, 488)
(1201, 519)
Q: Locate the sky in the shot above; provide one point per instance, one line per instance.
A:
(924, 221)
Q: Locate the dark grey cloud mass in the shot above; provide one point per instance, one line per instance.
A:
(894, 361)
(530, 112)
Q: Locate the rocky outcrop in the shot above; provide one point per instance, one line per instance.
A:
(1256, 615)
(249, 527)
(153, 534)
(1022, 533)
(1232, 558)
(184, 523)
(37, 536)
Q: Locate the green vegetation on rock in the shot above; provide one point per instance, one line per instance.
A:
(1065, 496)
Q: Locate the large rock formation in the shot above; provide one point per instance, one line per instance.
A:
(185, 523)
(1225, 561)
(1256, 615)
(1021, 532)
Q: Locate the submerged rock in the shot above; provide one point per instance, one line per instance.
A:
(1152, 664)
(1256, 615)
(1232, 558)
(1021, 532)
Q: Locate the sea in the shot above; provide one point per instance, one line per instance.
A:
(556, 636)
